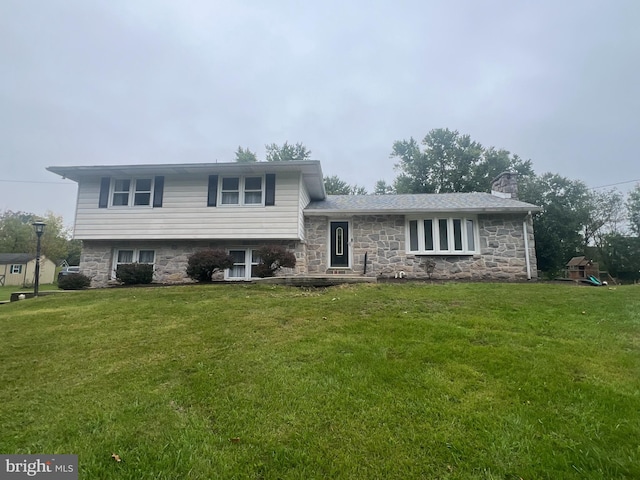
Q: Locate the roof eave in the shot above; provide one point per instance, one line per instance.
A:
(395, 211)
(311, 171)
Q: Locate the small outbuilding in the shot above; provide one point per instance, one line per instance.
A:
(20, 269)
(581, 267)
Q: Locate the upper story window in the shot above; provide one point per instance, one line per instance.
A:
(442, 235)
(242, 191)
(132, 192)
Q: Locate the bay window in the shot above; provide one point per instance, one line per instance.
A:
(442, 235)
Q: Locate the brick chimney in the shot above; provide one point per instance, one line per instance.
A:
(505, 185)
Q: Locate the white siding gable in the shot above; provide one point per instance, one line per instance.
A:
(185, 215)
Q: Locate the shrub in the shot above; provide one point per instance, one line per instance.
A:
(75, 281)
(272, 259)
(134, 273)
(203, 264)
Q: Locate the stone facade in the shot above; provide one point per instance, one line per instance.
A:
(96, 260)
(383, 239)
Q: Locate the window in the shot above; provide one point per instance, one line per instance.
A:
(15, 269)
(133, 256)
(241, 191)
(253, 190)
(142, 195)
(230, 191)
(243, 264)
(132, 192)
(442, 235)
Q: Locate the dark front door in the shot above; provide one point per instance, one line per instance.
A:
(340, 244)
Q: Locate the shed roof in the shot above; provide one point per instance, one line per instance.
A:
(15, 258)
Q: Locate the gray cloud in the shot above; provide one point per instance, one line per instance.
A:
(158, 81)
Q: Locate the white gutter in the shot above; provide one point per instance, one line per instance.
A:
(526, 244)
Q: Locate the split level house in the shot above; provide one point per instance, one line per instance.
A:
(161, 214)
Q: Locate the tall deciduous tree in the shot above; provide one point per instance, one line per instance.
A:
(633, 209)
(17, 235)
(334, 185)
(244, 155)
(559, 227)
(287, 152)
(450, 162)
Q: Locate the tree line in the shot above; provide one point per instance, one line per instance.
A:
(17, 235)
(575, 220)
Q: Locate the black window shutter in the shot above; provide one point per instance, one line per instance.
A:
(270, 189)
(103, 200)
(213, 191)
(158, 191)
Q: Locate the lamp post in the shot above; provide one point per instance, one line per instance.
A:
(39, 226)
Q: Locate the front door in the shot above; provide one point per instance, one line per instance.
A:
(340, 244)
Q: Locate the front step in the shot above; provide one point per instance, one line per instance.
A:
(339, 271)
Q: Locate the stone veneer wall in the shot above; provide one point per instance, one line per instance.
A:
(382, 238)
(96, 260)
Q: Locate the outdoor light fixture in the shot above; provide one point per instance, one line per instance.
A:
(39, 227)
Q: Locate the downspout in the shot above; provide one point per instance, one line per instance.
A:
(526, 244)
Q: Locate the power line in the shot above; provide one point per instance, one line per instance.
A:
(614, 184)
(34, 181)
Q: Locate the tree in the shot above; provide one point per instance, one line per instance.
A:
(272, 259)
(383, 188)
(559, 227)
(633, 209)
(335, 186)
(203, 264)
(244, 155)
(621, 257)
(606, 216)
(287, 152)
(17, 235)
(450, 162)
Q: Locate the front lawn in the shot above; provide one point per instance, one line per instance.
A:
(7, 290)
(452, 381)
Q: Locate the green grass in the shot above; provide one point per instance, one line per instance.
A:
(453, 381)
(7, 290)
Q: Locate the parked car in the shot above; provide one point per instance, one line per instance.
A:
(68, 271)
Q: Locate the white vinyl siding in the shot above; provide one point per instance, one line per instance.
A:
(185, 215)
(442, 235)
(303, 202)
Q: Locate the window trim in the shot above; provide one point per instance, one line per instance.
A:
(242, 191)
(133, 183)
(437, 221)
(248, 264)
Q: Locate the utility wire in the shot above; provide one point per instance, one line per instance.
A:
(614, 184)
(33, 181)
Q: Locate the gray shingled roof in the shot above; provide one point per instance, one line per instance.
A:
(15, 258)
(430, 202)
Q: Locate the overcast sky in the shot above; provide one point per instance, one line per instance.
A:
(161, 81)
